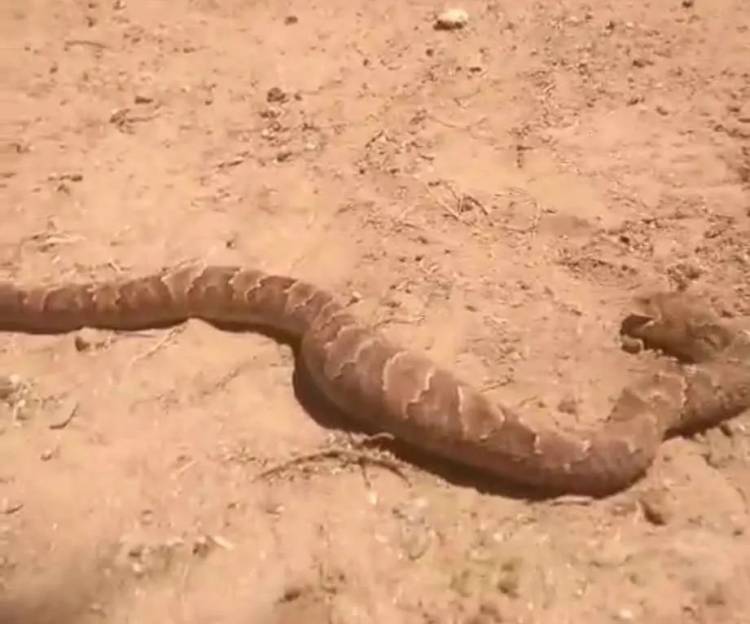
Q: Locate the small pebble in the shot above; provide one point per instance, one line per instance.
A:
(568, 405)
(737, 524)
(625, 615)
(610, 554)
(9, 385)
(202, 546)
(656, 508)
(275, 95)
(86, 339)
(284, 155)
(452, 19)
(509, 580)
(81, 343)
(416, 541)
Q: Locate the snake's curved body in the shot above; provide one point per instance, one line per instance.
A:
(396, 390)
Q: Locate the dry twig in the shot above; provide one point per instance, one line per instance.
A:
(347, 455)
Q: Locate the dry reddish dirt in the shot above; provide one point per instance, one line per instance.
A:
(494, 196)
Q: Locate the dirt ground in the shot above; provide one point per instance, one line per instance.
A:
(494, 196)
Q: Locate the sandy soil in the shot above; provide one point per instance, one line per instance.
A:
(494, 196)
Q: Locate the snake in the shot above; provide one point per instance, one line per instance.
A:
(704, 379)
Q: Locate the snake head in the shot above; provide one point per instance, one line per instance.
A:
(675, 323)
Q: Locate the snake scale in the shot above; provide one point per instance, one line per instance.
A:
(404, 393)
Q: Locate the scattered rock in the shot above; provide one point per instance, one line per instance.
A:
(656, 507)
(283, 155)
(509, 579)
(610, 554)
(48, 454)
(625, 615)
(9, 386)
(87, 339)
(81, 344)
(738, 524)
(568, 405)
(452, 19)
(275, 96)
(291, 19)
(415, 541)
(202, 546)
(719, 449)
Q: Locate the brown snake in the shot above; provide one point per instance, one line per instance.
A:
(404, 393)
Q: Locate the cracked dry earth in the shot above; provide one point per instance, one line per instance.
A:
(494, 196)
